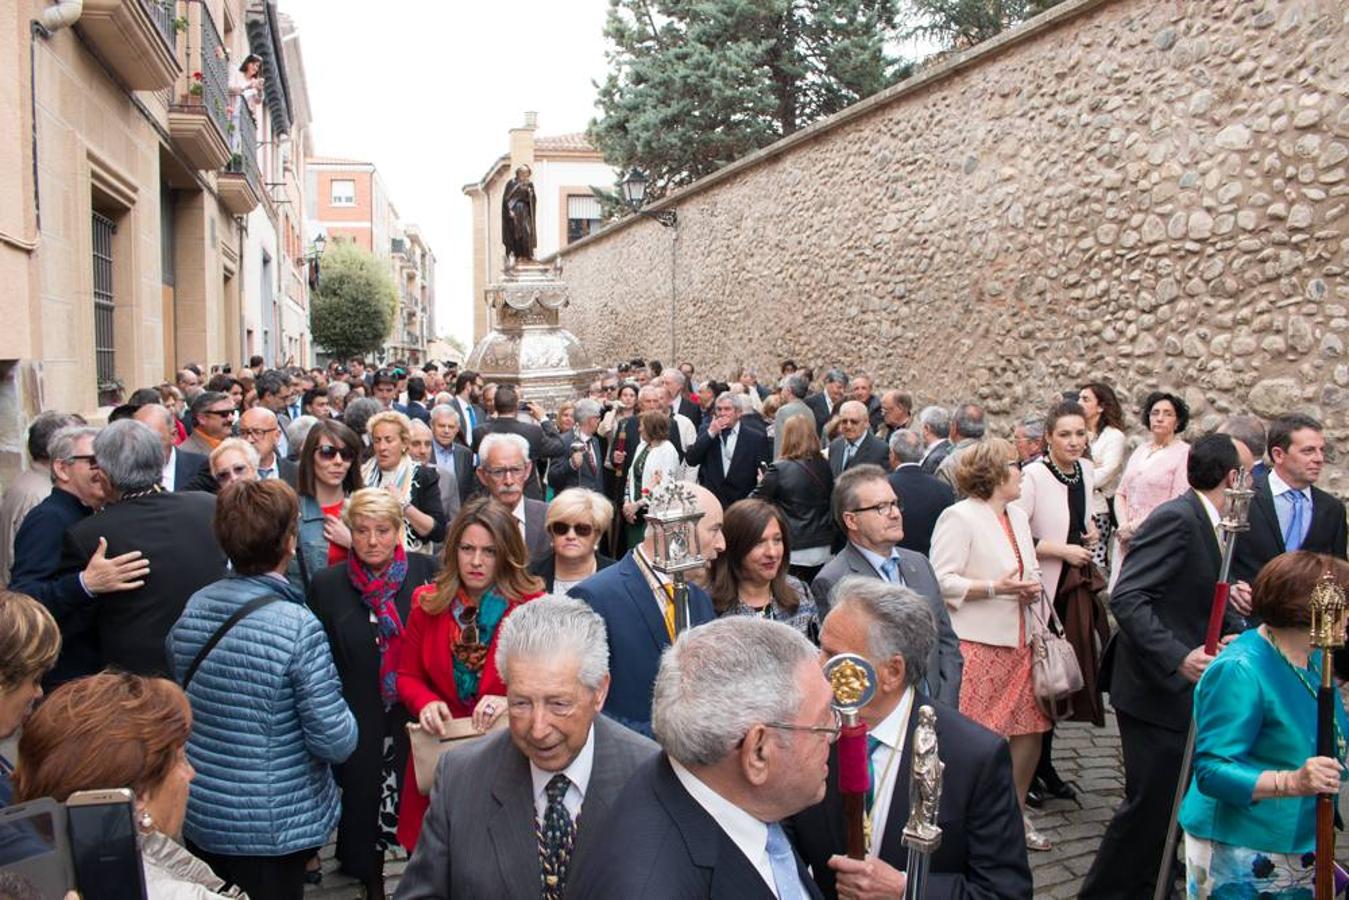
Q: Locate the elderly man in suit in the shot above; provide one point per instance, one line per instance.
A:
(934, 423)
(983, 848)
(419, 448)
(1162, 603)
(262, 428)
(855, 444)
(449, 453)
(896, 414)
(583, 466)
(869, 515)
(540, 434)
(633, 599)
(967, 429)
(729, 454)
(792, 392)
(183, 469)
(744, 716)
(174, 532)
(923, 496)
(825, 404)
(1289, 512)
(515, 815)
(503, 470)
(674, 383)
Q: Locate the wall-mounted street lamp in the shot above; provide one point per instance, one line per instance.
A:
(634, 194)
(312, 259)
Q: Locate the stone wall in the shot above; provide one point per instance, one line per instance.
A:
(1147, 191)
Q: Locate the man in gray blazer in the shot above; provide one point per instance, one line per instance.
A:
(511, 816)
(504, 469)
(869, 515)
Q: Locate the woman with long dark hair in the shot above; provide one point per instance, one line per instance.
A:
(1105, 429)
(749, 577)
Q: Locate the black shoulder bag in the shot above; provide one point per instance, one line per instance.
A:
(251, 606)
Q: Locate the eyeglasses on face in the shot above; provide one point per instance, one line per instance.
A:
(222, 413)
(329, 452)
(582, 529)
(849, 421)
(832, 731)
(254, 434)
(84, 457)
(885, 508)
(225, 476)
(501, 472)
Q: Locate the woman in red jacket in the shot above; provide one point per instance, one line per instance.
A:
(448, 664)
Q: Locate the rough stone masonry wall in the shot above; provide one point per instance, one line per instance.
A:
(1119, 190)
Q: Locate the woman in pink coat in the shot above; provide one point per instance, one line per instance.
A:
(1155, 472)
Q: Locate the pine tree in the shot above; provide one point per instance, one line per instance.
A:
(959, 24)
(696, 84)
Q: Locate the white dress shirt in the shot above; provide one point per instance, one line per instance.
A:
(885, 762)
(167, 479)
(728, 439)
(1214, 516)
(578, 773)
(519, 513)
(749, 835)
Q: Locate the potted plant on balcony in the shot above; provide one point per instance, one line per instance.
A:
(195, 88)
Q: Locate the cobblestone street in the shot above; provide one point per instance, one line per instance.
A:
(1086, 755)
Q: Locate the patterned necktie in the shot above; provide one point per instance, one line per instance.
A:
(1292, 538)
(556, 835)
(848, 453)
(782, 860)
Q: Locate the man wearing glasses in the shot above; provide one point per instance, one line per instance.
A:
(983, 849)
(260, 427)
(855, 444)
(213, 412)
(869, 514)
(745, 718)
(504, 470)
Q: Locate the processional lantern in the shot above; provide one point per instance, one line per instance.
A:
(672, 519)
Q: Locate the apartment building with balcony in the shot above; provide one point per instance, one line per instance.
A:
(564, 167)
(127, 193)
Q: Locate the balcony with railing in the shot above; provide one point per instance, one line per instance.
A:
(137, 38)
(240, 184)
(199, 117)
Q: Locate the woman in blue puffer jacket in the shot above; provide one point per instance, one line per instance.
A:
(268, 716)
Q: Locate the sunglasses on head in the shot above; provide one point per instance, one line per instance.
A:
(329, 452)
(582, 529)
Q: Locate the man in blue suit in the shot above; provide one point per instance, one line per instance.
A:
(631, 597)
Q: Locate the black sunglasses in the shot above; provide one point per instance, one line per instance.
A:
(329, 452)
(583, 530)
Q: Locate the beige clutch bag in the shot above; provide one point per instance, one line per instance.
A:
(427, 749)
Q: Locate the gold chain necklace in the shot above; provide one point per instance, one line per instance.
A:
(1340, 744)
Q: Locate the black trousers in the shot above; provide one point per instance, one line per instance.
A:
(261, 877)
(1131, 850)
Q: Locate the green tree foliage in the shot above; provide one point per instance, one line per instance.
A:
(354, 307)
(696, 84)
(959, 24)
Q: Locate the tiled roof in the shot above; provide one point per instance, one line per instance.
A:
(576, 141)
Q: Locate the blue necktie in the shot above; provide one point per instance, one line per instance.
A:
(783, 862)
(890, 569)
(1292, 538)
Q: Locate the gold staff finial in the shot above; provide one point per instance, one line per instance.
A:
(1328, 613)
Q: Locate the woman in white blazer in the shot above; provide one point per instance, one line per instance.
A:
(1056, 494)
(984, 557)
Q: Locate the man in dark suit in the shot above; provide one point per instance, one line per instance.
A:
(503, 471)
(415, 408)
(632, 598)
(449, 452)
(183, 469)
(983, 847)
(653, 396)
(703, 819)
(825, 404)
(541, 435)
(261, 428)
(467, 394)
(868, 513)
(729, 454)
(174, 532)
(583, 467)
(1289, 512)
(855, 444)
(680, 404)
(77, 491)
(274, 393)
(1162, 603)
(968, 426)
(922, 496)
(861, 388)
(934, 423)
(525, 806)
(896, 414)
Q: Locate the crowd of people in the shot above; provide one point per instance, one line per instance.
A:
(256, 599)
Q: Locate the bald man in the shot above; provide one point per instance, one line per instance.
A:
(262, 428)
(183, 469)
(855, 444)
(632, 598)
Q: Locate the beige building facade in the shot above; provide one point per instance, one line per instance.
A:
(125, 180)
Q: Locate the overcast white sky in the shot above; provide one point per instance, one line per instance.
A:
(426, 90)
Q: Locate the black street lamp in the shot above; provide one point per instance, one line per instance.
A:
(634, 194)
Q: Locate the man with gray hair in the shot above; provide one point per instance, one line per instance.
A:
(174, 533)
(583, 466)
(792, 390)
(680, 405)
(924, 496)
(1029, 439)
(825, 404)
(183, 469)
(744, 716)
(967, 429)
(450, 453)
(855, 444)
(504, 470)
(514, 815)
(934, 423)
(1250, 430)
(77, 492)
(730, 455)
(32, 485)
(983, 847)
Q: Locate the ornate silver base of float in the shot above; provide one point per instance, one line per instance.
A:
(526, 346)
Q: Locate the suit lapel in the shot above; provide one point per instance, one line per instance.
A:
(1264, 501)
(608, 775)
(511, 824)
(857, 563)
(836, 452)
(640, 595)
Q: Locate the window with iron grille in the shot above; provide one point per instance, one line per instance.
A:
(104, 348)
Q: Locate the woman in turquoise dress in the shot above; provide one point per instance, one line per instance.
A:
(1250, 813)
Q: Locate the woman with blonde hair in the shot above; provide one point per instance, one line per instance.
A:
(364, 603)
(800, 483)
(984, 557)
(577, 518)
(30, 642)
(416, 487)
(447, 668)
